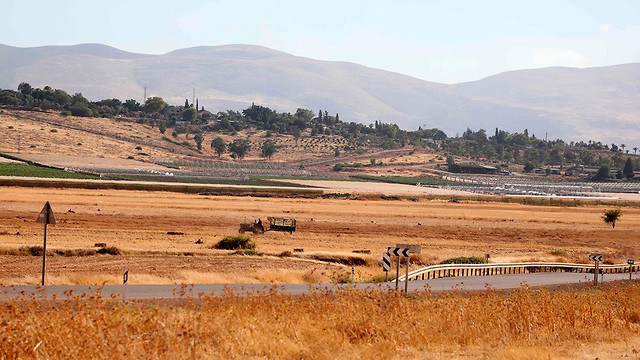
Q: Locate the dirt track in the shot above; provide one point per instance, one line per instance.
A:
(138, 222)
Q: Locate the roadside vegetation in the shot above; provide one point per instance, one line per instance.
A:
(583, 323)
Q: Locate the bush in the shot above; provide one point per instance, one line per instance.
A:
(465, 260)
(235, 242)
(111, 250)
(32, 250)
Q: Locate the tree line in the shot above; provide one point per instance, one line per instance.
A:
(501, 147)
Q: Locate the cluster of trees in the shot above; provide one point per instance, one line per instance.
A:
(239, 148)
(47, 98)
(532, 152)
(502, 147)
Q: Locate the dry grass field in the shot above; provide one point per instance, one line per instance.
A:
(525, 324)
(157, 234)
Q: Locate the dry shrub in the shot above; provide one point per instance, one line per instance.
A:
(111, 250)
(351, 324)
(349, 259)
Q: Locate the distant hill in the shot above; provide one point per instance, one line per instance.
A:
(600, 104)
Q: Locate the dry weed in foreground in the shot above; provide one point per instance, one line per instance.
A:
(352, 324)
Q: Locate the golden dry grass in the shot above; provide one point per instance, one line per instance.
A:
(524, 324)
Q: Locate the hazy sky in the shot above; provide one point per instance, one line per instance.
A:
(445, 41)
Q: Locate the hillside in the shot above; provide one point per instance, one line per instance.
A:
(573, 104)
(110, 145)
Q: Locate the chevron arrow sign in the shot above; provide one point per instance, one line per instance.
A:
(596, 257)
(398, 251)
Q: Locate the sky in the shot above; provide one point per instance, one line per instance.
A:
(446, 41)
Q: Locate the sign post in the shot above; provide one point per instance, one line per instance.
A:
(630, 262)
(403, 250)
(398, 251)
(596, 258)
(46, 217)
(125, 279)
(413, 249)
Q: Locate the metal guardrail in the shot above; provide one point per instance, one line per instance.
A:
(459, 270)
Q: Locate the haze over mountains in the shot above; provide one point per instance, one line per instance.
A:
(601, 104)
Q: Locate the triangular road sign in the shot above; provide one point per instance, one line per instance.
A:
(46, 215)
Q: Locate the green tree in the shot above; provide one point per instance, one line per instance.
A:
(81, 110)
(611, 216)
(628, 169)
(604, 173)
(219, 146)
(25, 88)
(198, 138)
(132, 105)
(528, 167)
(239, 148)
(154, 105)
(189, 114)
(268, 149)
(451, 160)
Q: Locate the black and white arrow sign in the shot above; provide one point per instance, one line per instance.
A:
(398, 251)
(596, 257)
(386, 262)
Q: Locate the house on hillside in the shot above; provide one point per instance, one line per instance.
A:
(174, 114)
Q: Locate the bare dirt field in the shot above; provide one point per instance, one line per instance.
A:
(157, 233)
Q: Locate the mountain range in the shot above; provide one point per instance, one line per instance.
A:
(600, 104)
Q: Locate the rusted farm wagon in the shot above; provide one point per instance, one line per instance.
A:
(255, 227)
(282, 224)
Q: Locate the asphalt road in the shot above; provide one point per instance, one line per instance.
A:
(146, 292)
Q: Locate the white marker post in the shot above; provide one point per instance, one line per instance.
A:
(46, 217)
